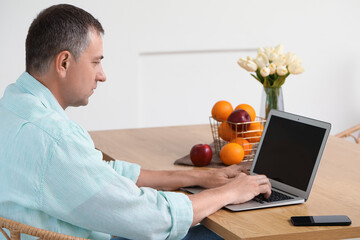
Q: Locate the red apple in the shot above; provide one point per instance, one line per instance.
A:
(201, 155)
(239, 116)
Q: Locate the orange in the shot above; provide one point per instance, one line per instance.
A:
(226, 132)
(232, 153)
(221, 110)
(253, 134)
(244, 143)
(249, 109)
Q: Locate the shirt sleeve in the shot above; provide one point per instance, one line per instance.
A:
(126, 169)
(81, 189)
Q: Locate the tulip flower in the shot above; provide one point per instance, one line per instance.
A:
(268, 50)
(291, 58)
(281, 70)
(295, 68)
(273, 55)
(272, 68)
(265, 71)
(262, 60)
(242, 62)
(279, 49)
(251, 66)
(261, 50)
(248, 64)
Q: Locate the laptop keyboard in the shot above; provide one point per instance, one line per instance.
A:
(274, 197)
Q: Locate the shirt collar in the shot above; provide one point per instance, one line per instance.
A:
(37, 89)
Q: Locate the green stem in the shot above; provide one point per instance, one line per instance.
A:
(272, 96)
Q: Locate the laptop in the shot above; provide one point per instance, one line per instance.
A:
(289, 154)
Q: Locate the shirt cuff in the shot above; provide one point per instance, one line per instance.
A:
(126, 169)
(181, 214)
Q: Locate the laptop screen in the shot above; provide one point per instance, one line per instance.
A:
(289, 151)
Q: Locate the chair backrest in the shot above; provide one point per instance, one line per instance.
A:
(16, 228)
(351, 133)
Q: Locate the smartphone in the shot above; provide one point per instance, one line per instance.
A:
(327, 220)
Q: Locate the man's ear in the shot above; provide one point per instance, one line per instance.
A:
(62, 63)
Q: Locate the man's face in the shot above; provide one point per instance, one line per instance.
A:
(83, 74)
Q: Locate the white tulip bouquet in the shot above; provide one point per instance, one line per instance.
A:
(272, 66)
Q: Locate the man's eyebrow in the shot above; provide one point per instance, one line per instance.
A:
(99, 57)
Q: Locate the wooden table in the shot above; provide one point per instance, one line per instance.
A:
(336, 188)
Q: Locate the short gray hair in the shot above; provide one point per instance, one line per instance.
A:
(58, 28)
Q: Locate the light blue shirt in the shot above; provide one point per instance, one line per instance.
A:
(52, 177)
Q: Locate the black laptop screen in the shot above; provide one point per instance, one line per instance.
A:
(289, 151)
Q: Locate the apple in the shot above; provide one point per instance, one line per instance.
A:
(239, 116)
(201, 154)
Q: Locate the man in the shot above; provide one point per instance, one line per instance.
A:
(52, 177)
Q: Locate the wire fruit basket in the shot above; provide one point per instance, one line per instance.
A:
(246, 134)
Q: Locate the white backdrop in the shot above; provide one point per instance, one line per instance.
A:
(167, 62)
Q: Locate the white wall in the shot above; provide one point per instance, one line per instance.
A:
(167, 62)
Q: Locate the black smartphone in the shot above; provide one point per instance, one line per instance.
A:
(327, 220)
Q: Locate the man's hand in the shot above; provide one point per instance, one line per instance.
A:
(217, 177)
(246, 187)
(240, 189)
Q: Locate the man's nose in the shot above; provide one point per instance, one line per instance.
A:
(101, 76)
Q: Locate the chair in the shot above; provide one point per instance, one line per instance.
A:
(351, 133)
(17, 228)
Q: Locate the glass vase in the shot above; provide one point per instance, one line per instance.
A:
(272, 98)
